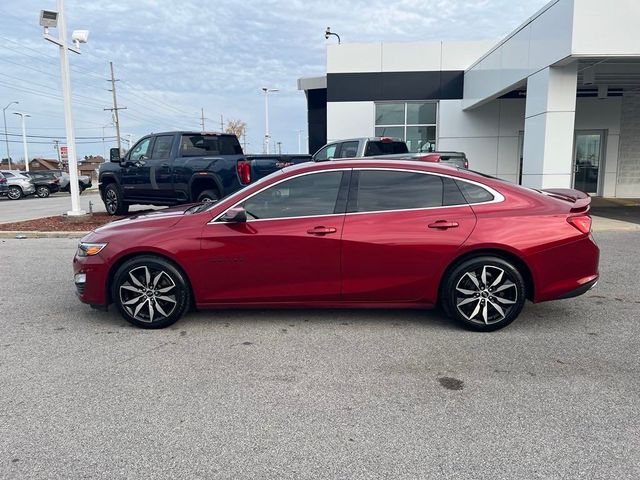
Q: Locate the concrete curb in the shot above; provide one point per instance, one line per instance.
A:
(24, 234)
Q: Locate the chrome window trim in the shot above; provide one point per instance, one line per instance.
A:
(497, 196)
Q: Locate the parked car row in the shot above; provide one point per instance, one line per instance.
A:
(19, 184)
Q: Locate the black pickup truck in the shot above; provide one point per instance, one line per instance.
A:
(173, 168)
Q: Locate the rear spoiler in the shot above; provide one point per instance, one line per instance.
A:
(581, 201)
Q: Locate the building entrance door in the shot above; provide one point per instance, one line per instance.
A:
(588, 160)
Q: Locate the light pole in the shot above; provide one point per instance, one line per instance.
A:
(24, 139)
(6, 136)
(299, 141)
(266, 116)
(57, 19)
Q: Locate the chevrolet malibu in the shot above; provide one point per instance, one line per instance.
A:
(349, 233)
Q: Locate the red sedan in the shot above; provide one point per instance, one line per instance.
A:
(349, 233)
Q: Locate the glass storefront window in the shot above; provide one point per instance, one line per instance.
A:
(421, 113)
(390, 114)
(421, 139)
(414, 122)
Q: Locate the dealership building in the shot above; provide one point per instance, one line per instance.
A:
(556, 103)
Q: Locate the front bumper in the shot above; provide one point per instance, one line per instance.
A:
(28, 189)
(90, 279)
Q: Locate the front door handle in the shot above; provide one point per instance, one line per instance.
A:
(321, 230)
(443, 224)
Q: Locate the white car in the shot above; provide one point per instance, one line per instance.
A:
(19, 185)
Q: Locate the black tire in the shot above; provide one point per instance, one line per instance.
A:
(43, 191)
(150, 292)
(14, 193)
(113, 201)
(483, 293)
(80, 188)
(208, 196)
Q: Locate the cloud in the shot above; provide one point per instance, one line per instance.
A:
(176, 57)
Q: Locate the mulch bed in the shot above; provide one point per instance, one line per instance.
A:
(60, 223)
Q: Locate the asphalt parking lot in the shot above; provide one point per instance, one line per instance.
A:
(316, 394)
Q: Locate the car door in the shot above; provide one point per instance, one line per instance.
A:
(401, 229)
(288, 250)
(160, 168)
(136, 180)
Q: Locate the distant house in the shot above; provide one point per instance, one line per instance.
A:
(89, 166)
(45, 164)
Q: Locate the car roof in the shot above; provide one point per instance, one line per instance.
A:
(376, 162)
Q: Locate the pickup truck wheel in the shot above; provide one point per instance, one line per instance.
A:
(43, 192)
(14, 193)
(113, 201)
(208, 196)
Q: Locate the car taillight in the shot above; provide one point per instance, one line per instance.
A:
(386, 139)
(466, 163)
(56, 180)
(3, 180)
(244, 172)
(429, 158)
(581, 222)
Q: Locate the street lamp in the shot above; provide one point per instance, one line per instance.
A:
(6, 136)
(50, 19)
(24, 139)
(266, 116)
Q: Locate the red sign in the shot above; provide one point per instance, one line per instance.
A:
(63, 152)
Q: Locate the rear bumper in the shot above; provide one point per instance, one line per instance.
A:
(565, 271)
(582, 289)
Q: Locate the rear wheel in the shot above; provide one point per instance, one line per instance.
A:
(14, 193)
(208, 196)
(113, 201)
(484, 293)
(42, 191)
(150, 292)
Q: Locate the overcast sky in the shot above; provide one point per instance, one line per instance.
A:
(175, 57)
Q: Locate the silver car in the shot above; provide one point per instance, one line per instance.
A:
(19, 185)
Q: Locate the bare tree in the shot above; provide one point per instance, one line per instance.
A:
(237, 127)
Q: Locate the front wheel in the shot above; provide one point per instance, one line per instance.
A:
(14, 193)
(43, 192)
(150, 292)
(484, 293)
(208, 196)
(113, 201)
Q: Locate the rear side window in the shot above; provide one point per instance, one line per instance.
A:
(205, 145)
(385, 148)
(380, 190)
(474, 193)
(349, 150)
(8, 174)
(162, 147)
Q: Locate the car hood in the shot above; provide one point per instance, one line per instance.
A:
(163, 218)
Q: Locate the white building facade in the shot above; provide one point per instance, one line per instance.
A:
(554, 104)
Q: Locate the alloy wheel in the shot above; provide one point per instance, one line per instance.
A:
(14, 193)
(111, 201)
(485, 295)
(148, 294)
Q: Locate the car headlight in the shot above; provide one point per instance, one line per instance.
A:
(89, 249)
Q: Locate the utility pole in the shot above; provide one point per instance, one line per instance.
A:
(24, 139)
(57, 147)
(244, 142)
(279, 148)
(115, 108)
(221, 124)
(202, 119)
(6, 135)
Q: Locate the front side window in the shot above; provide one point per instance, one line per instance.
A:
(413, 122)
(380, 190)
(304, 196)
(140, 150)
(327, 152)
(162, 147)
(206, 145)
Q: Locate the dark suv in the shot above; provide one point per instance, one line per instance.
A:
(46, 182)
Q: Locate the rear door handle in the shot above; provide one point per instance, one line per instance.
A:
(321, 230)
(443, 224)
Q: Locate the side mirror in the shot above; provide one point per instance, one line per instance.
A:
(114, 155)
(234, 215)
